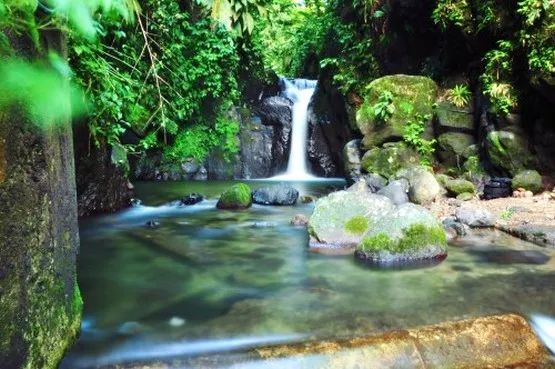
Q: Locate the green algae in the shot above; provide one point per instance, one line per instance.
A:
(357, 225)
(414, 238)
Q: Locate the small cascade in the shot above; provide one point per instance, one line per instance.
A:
(299, 91)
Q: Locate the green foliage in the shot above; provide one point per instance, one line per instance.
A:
(383, 109)
(40, 89)
(507, 214)
(412, 135)
(292, 34)
(460, 96)
(199, 140)
(169, 77)
(357, 225)
(453, 13)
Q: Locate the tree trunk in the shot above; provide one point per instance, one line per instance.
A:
(40, 303)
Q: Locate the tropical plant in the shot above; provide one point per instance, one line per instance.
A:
(384, 108)
(412, 135)
(459, 96)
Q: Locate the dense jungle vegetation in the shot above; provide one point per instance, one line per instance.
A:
(164, 74)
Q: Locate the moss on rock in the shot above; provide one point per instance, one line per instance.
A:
(390, 158)
(411, 95)
(508, 151)
(238, 196)
(357, 225)
(459, 186)
(530, 180)
(408, 233)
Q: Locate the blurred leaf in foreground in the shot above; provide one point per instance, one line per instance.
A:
(43, 92)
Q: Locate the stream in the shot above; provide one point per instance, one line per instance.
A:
(208, 281)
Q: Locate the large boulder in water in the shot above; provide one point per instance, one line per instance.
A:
(276, 195)
(411, 95)
(341, 219)
(238, 196)
(424, 187)
(407, 234)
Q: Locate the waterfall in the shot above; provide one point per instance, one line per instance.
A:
(299, 91)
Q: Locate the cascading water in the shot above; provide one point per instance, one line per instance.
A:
(299, 91)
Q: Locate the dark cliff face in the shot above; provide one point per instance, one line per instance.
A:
(102, 187)
(40, 304)
(328, 130)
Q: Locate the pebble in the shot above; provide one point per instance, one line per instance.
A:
(176, 321)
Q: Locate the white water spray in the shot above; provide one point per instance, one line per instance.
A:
(299, 91)
(544, 327)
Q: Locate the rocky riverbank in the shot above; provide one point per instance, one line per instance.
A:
(531, 219)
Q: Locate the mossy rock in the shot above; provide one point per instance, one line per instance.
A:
(465, 196)
(459, 186)
(390, 158)
(509, 151)
(453, 145)
(411, 95)
(238, 196)
(442, 179)
(341, 219)
(449, 117)
(530, 180)
(409, 233)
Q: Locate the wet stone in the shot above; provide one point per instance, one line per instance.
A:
(496, 256)
(152, 224)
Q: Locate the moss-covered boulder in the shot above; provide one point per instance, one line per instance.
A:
(459, 186)
(389, 159)
(452, 118)
(411, 95)
(341, 219)
(409, 233)
(424, 187)
(465, 196)
(238, 196)
(509, 151)
(530, 180)
(452, 147)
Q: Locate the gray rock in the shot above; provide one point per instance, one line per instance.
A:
(396, 191)
(201, 175)
(299, 220)
(351, 160)
(375, 182)
(342, 218)
(190, 167)
(407, 234)
(424, 187)
(152, 224)
(452, 225)
(475, 218)
(276, 195)
(541, 235)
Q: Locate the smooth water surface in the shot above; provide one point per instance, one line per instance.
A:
(208, 281)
